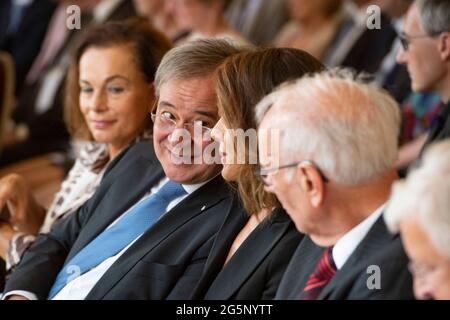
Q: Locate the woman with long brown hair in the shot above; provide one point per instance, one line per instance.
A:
(253, 247)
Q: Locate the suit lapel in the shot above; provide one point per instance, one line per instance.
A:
(248, 257)
(233, 223)
(120, 196)
(196, 203)
(377, 238)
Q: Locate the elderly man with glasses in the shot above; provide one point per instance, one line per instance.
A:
(426, 53)
(332, 171)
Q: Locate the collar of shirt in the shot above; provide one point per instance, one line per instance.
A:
(104, 9)
(347, 244)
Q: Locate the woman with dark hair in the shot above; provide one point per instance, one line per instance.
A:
(109, 94)
(253, 248)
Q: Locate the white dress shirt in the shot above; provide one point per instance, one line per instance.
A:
(79, 288)
(347, 244)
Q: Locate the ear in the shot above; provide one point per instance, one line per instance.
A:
(152, 97)
(312, 184)
(444, 46)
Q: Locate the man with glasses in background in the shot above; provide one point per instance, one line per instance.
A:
(147, 231)
(332, 171)
(426, 53)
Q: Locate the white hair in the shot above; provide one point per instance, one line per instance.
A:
(347, 127)
(425, 194)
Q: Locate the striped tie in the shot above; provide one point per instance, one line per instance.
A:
(325, 270)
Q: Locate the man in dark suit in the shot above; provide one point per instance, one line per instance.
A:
(23, 25)
(426, 53)
(334, 181)
(147, 231)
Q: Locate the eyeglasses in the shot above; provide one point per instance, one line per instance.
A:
(264, 173)
(169, 124)
(405, 39)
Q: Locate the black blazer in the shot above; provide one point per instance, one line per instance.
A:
(165, 263)
(379, 248)
(255, 270)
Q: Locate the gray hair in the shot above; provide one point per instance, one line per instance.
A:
(425, 194)
(194, 59)
(435, 16)
(345, 126)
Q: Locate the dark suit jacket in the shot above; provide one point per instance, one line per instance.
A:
(255, 270)
(165, 263)
(25, 44)
(371, 47)
(379, 248)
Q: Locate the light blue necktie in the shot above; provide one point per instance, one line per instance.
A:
(115, 238)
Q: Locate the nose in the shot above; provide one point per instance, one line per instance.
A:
(400, 58)
(98, 102)
(179, 135)
(422, 289)
(217, 132)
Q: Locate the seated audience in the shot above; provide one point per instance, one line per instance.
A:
(109, 94)
(255, 244)
(419, 208)
(147, 231)
(312, 27)
(426, 53)
(332, 171)
(204, 19)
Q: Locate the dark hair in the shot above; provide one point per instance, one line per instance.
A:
(148, 46)
(242, 81)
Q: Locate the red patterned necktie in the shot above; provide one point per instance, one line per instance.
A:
(325, 270)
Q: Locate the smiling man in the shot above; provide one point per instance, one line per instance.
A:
(147, 231)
